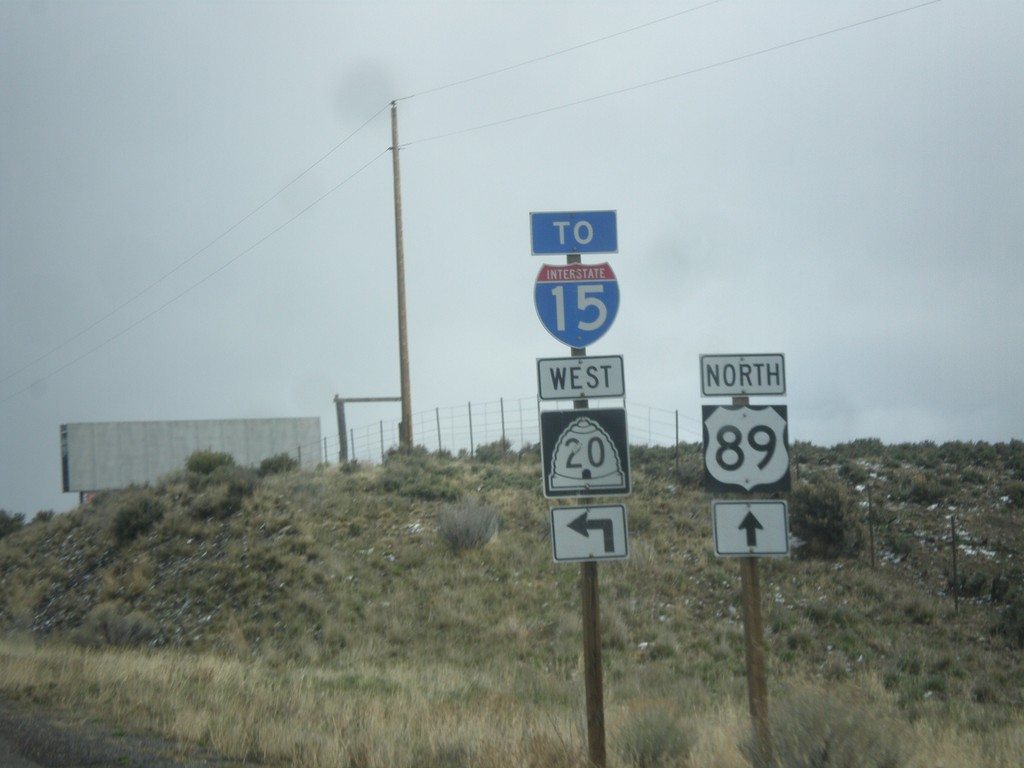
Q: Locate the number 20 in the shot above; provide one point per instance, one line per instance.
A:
(595, 453)
(583, 301)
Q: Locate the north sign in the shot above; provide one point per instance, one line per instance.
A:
(585, 452)
(574, 232)
(577, 303)
(742, 375)
(572, 378)
(746, 448)
(750, 528)
(595, 532)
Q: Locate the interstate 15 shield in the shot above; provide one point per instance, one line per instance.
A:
(576, 302)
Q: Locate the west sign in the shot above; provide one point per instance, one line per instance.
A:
(572, 378)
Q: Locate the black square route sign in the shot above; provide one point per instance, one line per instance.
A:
(585, 453)
(746, 448)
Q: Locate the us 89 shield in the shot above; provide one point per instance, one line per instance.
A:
(746, 448)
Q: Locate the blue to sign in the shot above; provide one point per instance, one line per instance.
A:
(576, 302)
(574, 232)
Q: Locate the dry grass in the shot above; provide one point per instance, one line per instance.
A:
(367, 716)
(502, 716)
(953, 747)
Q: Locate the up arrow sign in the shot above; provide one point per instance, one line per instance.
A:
(750, 528)
(751, 525)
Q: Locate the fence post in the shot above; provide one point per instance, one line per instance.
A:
(522, 434)
(871, 526)
(472, 453)
(956, 580)
(501, 404)
(677, 442)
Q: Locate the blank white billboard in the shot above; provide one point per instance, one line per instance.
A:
(107, 455)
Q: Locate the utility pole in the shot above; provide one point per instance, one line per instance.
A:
(405, 428)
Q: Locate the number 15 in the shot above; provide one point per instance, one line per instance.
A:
(584, 300)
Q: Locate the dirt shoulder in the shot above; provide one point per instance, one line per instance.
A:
(31, 737)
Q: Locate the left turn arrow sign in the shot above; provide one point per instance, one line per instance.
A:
(583, 526)
(572, 529)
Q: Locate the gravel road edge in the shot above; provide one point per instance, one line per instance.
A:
(41, 737)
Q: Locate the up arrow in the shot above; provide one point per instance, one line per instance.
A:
(751, 525)
(583, 527)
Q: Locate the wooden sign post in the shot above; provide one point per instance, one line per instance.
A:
(593, 665)
(753, 638)
(746, 450)
(757, 683)
(576, 305)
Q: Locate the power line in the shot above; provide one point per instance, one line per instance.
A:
(687, 73)
(552, 55)
(202, 250)
(196, 284)
(449, 134)
(331, 151)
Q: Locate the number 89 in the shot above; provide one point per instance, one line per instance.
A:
(729, 439)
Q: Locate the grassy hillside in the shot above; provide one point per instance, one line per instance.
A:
(358, 595)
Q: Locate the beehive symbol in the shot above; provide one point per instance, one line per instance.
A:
(586, 457)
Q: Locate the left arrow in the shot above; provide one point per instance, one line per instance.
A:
(752, 525)
(583, 527)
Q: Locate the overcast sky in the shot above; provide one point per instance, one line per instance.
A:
(840, 182)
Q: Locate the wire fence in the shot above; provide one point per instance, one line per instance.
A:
(462, 429)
